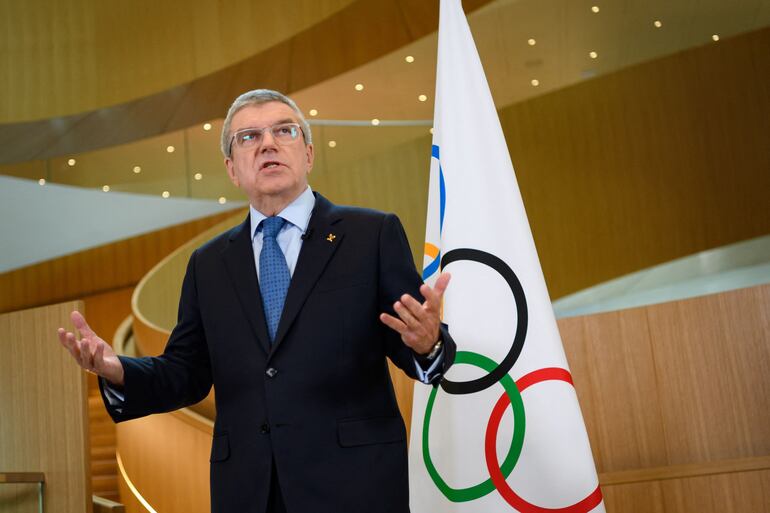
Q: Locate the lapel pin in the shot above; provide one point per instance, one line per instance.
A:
(331, 237)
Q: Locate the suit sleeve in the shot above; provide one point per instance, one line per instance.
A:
(181, 376)
(398, 276)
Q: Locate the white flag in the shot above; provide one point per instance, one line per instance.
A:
(504, 431)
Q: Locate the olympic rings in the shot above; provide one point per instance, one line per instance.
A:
(517, 440)
(499, 475)
(497, 373)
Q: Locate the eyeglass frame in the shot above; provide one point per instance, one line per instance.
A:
(262, 132)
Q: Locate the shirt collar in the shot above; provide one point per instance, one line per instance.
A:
(297, 212)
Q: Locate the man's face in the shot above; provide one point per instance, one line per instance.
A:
(269, 171)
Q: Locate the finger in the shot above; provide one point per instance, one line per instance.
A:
(406, 316)
(80, 323)
(86, 360)
(414, 307)
(62, 334)
(393, 323)
(433, 296)
(99, 357)
(72, 345)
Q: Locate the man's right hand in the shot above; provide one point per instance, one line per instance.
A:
(91, 352)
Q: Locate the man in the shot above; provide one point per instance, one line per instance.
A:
(291, 316)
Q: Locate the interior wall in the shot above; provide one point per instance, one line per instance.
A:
(617, 173)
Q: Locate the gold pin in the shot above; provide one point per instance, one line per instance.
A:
(331, 237)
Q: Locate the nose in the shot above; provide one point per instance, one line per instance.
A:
(268, 141)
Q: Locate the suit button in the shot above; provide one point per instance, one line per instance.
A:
(271, 372)
(264, 429)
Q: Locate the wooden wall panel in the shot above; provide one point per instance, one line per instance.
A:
(712, 359)
(92, 271)
(43, 400)
(167, 458)
(677, 383)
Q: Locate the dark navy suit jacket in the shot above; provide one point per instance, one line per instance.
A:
(318, 401)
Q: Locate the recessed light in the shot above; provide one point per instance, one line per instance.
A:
(313, 112)
(375, 122)
(657, 23)
(207, 126)
(531, 42)
(422, 98)
(198, 176)
(137, 169)
(715, 37)
(166, 194)
(593, 55)
(222, 200)
(170, 149)
(71, 162)
(106, 188)
(535, 82)
(409, 58)
(41, 181)
(332, 144)
(595, 9)
(359, 87)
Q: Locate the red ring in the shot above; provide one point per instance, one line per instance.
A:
(493, 465)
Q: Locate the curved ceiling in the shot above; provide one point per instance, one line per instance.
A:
(354, 35)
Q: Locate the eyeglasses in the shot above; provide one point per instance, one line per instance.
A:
(283, 133)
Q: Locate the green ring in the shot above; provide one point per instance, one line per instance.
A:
(517, 440)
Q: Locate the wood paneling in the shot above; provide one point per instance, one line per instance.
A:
(351, 34)
(618, 173)
(44, 424)
(96, 270)
(676, 383)
(166, 458)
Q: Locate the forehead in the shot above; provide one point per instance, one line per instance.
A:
(264, 114)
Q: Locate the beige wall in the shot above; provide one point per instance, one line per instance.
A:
(617, 173)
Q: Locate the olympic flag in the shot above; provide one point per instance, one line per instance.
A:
(503, 431)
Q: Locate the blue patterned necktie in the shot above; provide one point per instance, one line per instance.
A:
(274, 274)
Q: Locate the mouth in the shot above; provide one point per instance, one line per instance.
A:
(270, 164)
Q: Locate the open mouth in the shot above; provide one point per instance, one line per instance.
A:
(270, 164)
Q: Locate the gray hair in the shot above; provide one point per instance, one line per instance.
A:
(258, 97)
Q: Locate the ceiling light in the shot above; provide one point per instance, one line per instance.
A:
(531, 42)
(170, 149)
(222, 200)
(359, 87)
(198, 176)
(207, 126)
(715, 37)
(535, 82)
(430, 130)
(137, 169)
(106, 188)
(593, 55)
(409, 58)
(41, 181)
(375, 122)
(595, 9)
(422, 98)
(313, 112)
(332, 144)
(166, 194)
(657, 23)
(71, 162)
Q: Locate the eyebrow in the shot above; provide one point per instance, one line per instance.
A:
(279, 122)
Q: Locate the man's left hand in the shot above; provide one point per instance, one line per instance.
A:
(418, 324)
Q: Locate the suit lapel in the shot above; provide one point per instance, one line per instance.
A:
(239, 261)
(324, 235)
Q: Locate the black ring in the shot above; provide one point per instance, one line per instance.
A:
(484, 382)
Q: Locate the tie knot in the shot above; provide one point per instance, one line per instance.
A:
(271, 226)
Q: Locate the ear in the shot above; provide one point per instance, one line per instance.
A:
(310, 155)
(231, 172)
